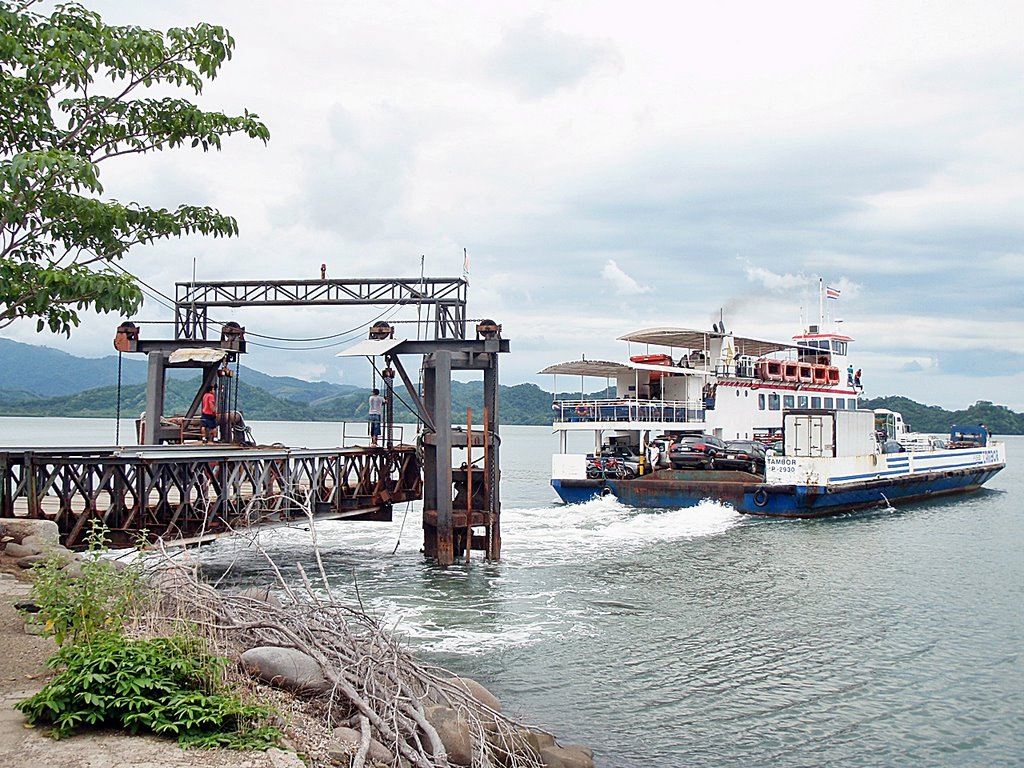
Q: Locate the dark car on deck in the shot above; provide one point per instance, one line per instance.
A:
(745, 455)
(695, 452)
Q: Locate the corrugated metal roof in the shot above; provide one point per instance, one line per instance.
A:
(605, 368)
(588, 368)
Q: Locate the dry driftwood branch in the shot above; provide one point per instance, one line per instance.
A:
(377, 686)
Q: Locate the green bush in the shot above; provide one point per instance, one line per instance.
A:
(76, 609)
(168, 686)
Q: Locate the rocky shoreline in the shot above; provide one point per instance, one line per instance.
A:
(460, 722)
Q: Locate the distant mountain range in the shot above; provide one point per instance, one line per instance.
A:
(42, 372)
(39, 381)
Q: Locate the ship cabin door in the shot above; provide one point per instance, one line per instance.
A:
(811, 436)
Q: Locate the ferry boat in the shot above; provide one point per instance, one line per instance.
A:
(799, 397)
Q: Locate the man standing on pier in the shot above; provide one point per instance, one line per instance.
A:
(376, 410)
(208, 417)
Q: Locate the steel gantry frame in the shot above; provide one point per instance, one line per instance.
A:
(188, 492)
(447, 531)
(444, 297)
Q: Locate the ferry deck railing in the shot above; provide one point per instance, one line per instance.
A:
(620, 410)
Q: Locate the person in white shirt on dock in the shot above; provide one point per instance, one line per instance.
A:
(376, 410)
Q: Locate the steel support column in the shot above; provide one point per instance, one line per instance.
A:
(155, 387)
(438, 457)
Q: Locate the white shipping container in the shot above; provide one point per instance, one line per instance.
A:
(829, 433)
(855, 433)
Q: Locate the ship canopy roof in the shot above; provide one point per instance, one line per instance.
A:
(690, 338)
(589, 368)
(609, 369)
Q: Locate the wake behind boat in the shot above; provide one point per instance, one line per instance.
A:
(686, 421)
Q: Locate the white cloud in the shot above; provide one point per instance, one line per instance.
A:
(539, 60)
(623, 284)
(870, 144)
(775, 282)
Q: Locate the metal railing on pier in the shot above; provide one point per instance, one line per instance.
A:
(187, 492)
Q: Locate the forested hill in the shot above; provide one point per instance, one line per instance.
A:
(38, 381)
(930, 418)
(521, 404)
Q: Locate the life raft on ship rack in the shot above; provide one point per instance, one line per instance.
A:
(769, 370)
(796, 373)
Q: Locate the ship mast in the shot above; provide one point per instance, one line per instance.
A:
(821, 302)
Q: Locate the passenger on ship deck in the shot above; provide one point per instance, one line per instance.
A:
(856, 380)
(653, 455)
(849, 376)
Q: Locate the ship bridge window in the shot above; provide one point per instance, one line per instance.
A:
(773, 402)
(828, 402)
(839, 347)
(840, 403)
(789, 401)
(815, 402)
(801, 401)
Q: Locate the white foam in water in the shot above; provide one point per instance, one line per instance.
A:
(557, 531)
(511, 609)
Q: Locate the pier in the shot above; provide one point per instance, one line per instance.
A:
(174, 489)
(189, 493)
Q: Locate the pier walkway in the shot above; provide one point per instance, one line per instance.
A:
(197, 492)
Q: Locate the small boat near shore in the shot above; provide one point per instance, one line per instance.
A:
(824, 455)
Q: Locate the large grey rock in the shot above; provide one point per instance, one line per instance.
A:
(567, 756)
(60, 554)
(263, 594)
(345, 743)
(519, 746)
(39, 543)
(18, 551)
(286, 668)
(453, 731)
(477, 691)
(19, 528)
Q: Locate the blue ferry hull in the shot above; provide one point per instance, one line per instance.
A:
(748, 494)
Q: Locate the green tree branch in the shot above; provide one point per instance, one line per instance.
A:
(57, 236)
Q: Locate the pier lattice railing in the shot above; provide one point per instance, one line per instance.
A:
(185, 493)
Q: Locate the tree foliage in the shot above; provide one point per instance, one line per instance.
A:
(930, 418)
(69, 101)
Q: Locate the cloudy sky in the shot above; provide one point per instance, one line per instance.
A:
(610, 166)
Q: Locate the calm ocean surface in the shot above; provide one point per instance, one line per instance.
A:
(698, 637)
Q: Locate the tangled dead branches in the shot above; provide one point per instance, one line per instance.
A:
(423, 715)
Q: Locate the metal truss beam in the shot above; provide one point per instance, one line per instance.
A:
(443, 297)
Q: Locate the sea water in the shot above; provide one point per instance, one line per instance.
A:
(696, 637)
